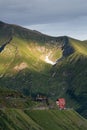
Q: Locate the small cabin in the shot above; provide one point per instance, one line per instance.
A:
(41, 98)
(61, 103)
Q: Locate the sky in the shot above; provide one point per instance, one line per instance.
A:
(52, 17)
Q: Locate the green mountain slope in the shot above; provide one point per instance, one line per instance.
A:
(73, 72)
(24, 56)
(22, 61)
(16, 119)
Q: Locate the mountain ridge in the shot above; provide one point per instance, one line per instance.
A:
(23, 66)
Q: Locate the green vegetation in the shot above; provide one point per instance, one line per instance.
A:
(58, 120)
(79, 46)
(22, 62)
(23, 67)
(73, 71)
(14, 99)
(16, 119)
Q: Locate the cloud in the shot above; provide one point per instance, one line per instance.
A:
(74, 28)
(41, 11)
(71, 13)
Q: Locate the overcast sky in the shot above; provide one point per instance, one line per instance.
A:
(53, 17)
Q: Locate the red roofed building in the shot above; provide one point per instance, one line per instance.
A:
(61, 103)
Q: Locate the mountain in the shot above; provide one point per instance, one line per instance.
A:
(34, 63)
(24, 56)
(16, 119)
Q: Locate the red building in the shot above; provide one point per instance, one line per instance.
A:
(61, 103)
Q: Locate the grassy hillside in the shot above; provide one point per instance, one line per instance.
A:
(23, 65)
(16, 119)
(73, 71)
(22, 62)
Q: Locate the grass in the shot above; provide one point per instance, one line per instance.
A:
(58, 120)
(16, 119)
(65, 79)
(33, 54)
(73, 71)
(79, 46)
